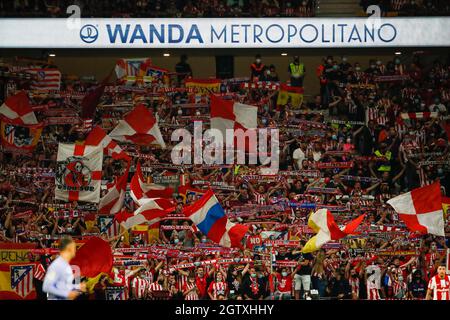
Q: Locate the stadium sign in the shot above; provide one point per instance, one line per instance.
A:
(229, 32)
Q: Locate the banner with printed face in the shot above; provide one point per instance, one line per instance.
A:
(19, 138)
(78, 173)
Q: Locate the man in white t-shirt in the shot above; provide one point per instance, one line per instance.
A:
(299, 155)
(373, 282)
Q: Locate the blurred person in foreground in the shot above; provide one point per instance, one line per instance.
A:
(59, 279)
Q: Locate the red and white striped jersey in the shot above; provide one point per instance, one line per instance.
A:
(371, 114)
(399, 287)
(259, 198)
(155, 286)
(182, 280)
(217, 288)
(192, 295)
(440, 287)
(354, 284)
(139, 287)
(424, 179)
(381, 120)
(39, 272)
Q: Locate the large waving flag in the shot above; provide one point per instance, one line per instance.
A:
(421, 209)
(17, 108)
(228, 114)
(78, 173)
(139, 190)
(112, 202)
(209, 217)
(151, 212)
(94, 257)
(322, 222)
(138, 127)
(98, 136)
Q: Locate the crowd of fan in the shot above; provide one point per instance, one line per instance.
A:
(386, 155)
(410, 7)
(159, 8)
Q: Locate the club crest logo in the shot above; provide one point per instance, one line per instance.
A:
(22, 279)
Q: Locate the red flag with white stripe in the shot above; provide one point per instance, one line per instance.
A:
(98, 136)
(78, 173)
(228, 114)
(421, 209)
(152, 211)
(138, 127)
(112, 202)
(140, 191)
(18, 109)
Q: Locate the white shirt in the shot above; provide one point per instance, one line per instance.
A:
(373, 277)
(299, 155)
(58, 281)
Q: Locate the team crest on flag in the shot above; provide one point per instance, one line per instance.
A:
(20, 138)
(115, 293)
(109, 226)
(22, 279)
(78, 173)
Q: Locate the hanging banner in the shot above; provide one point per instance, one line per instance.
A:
(15, 252)
(204, 86)
(191, 33)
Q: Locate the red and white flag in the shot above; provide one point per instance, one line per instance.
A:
(421, 209)
(78, 173)
(45, 78)
(141, 191)
(98, 136)
(228, 114)
(112, 202)
(18, 109)
(152, 211)
(138, 127)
